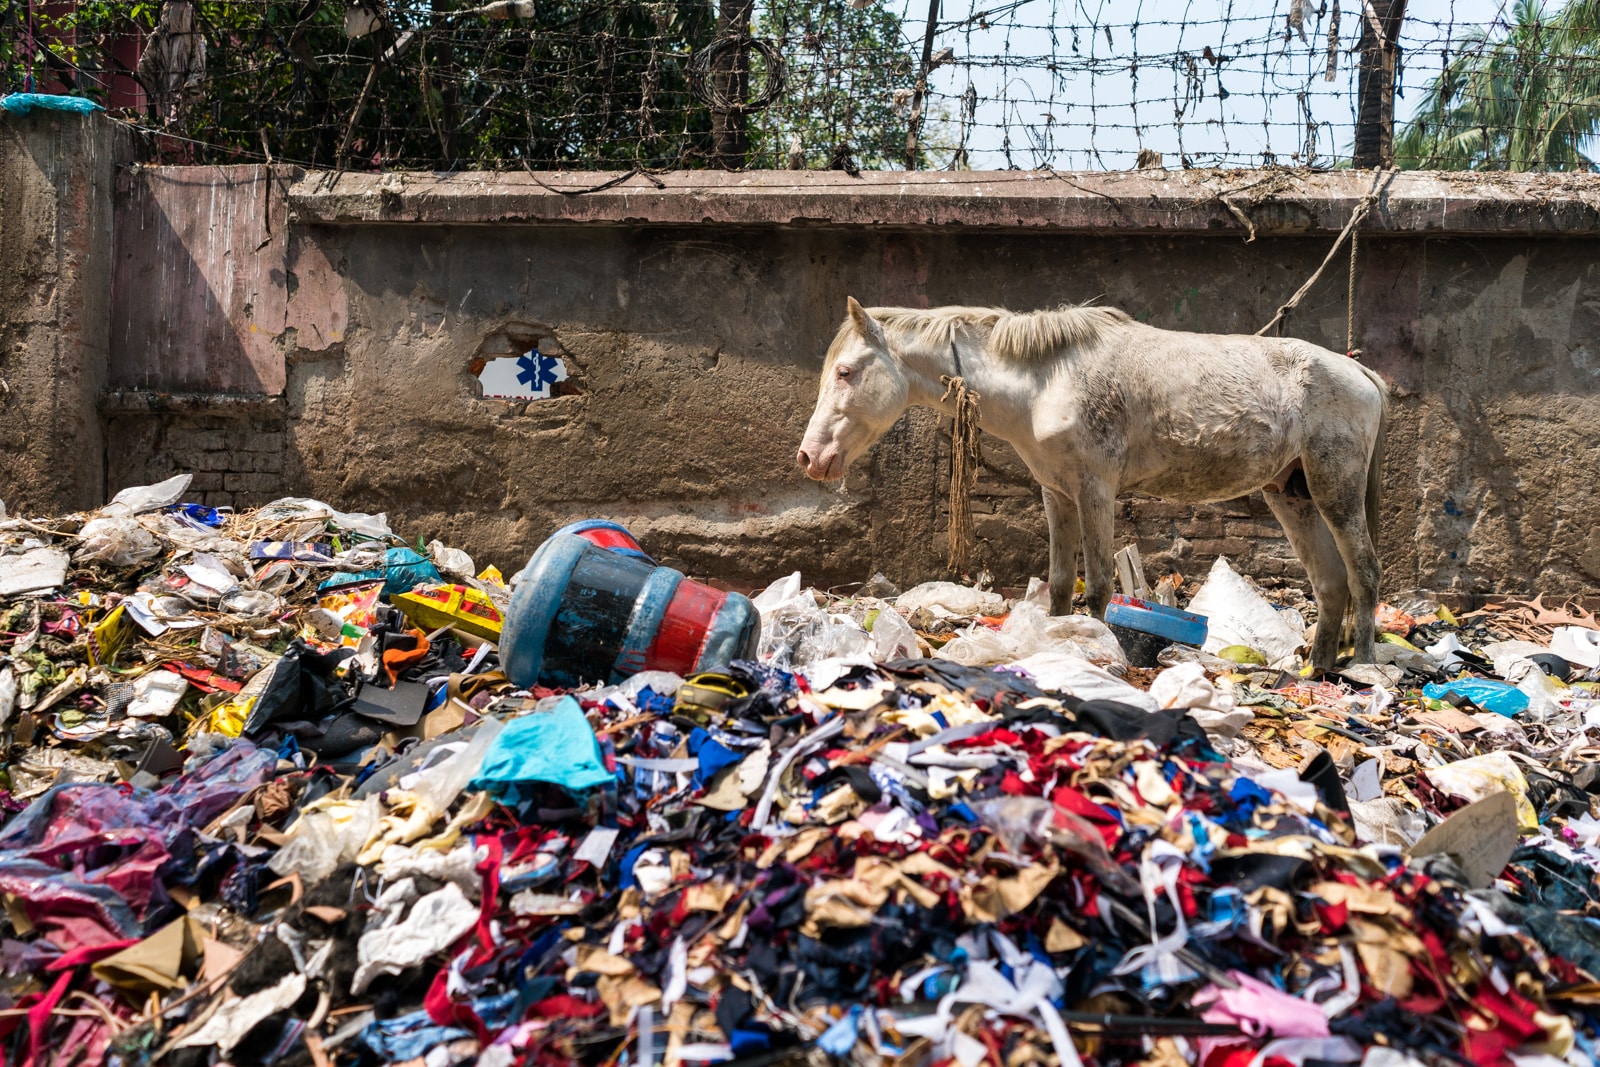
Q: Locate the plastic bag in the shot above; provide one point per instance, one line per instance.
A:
(1237, 615)
(1388, 821)
(22, 103)
(1575, 644)
(1091, 637)
(949, 600)
(293, 507)
(452, 561)
(1501, 698)
(121, 542)
(1016, 820)
(137, 499)
(892, 637)
(1417, 603)
(796, 632)
(1173, 655)
(786, 611)
(328, 833)
(8, 694)
(250, 603)
(33, 570)
(440, 785)
(979, 646)
(1029, 631)
(1481, 776)
(838, 636)
(1186, 686)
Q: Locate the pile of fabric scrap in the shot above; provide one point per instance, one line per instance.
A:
(270, 800)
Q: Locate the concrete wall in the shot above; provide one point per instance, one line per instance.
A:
(55, 289)
(693, 319)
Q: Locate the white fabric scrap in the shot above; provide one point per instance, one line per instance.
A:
(434, 923)
(236, 1018)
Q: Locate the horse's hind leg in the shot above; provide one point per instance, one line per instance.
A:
(1339, 489)
(1313, 543)
(1062, 516)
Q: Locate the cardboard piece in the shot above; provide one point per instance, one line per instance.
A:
(165, 960)
(1480, 837)
(1452, 719)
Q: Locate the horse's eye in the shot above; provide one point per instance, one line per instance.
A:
(844, 372)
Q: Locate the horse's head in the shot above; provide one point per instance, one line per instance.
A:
(864, 390)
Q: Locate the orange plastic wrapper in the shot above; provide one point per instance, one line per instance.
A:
(1391, 620)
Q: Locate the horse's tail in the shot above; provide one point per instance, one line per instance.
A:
(1375, 466)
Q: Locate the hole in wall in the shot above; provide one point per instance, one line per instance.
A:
(532, 375)
(522, 363)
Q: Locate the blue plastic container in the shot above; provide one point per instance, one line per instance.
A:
(1144, 628)
(583, 613)
(1180, 627)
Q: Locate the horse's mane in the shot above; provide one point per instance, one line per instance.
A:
(1020, 337)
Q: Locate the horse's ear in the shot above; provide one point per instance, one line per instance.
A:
(867, 326)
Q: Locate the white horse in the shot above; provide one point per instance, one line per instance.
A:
(1097, 404)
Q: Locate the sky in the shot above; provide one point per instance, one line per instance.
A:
(1259, 96)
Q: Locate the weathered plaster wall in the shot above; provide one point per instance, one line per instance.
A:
(55, 287)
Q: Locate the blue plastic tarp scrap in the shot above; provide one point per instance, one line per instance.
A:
(1490, 695)
(22, 103)
(555, 747)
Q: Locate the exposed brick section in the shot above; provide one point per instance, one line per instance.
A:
(237, 458)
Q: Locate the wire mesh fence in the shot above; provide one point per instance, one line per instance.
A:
(654, 84)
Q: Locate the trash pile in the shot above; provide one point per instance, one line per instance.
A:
(272, 797)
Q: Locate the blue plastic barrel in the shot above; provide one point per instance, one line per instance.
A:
(583, 613)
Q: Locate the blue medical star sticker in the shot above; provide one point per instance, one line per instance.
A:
(536, 371)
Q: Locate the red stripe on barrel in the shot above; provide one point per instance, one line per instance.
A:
(682, 633)
(602, 537)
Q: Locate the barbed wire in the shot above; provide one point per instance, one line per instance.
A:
(637, 84)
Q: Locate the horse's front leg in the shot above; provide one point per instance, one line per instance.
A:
(1061, 514)
(1096, 516)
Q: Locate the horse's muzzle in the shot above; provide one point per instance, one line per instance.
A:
(822, 467)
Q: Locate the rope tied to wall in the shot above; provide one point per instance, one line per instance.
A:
(1361, 210)
(965, 457)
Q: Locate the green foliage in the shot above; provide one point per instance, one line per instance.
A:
(598, 82)
(1528, 99)
(846, 70)
(71, 43)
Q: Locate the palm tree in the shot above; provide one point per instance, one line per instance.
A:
(1527, 99)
